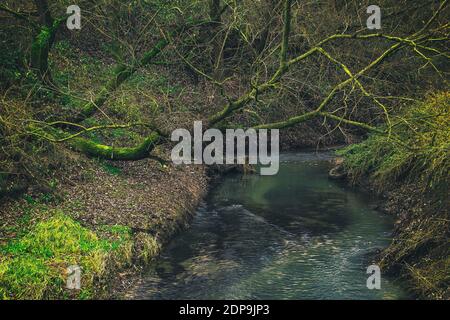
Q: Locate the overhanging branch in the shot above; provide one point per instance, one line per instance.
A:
(412, 40)
(139, 152)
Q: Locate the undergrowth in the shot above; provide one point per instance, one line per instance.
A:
(416, 151)
(34, 266)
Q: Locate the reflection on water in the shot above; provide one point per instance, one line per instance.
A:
(295, 235)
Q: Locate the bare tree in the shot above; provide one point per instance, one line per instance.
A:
(418, 40)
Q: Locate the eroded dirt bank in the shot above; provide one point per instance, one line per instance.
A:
(154, 202)
(419, 251)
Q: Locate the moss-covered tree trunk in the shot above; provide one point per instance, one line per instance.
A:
(43, 42)
(97, 150)
(40, 50)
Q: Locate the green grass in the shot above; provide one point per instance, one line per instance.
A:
(34, 266)
(417, 151)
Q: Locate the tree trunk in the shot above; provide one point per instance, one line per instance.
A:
(141, 151)
(45, 16)
(44, 41)
(269, 11)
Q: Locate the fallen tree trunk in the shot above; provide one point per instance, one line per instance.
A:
(138, 152)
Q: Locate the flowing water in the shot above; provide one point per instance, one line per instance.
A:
(295, 235)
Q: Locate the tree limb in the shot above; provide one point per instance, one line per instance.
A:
(19, 15)
(411, 40)
(121, 74)
(97, 150)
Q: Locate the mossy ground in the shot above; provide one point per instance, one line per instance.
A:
(34, 265)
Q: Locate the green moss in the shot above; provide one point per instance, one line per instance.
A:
(93, 149)
(111, 169)
(34, 266)
(43, 37)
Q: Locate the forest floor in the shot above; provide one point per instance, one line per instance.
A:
(141, 202)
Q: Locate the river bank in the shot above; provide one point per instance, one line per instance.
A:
(118, 215)
(108, 217)
(418, 252)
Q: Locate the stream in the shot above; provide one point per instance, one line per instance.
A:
(295, 235)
